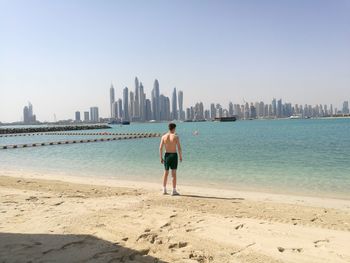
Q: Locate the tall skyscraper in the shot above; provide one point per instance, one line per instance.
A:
(162, 102)
(212, 111)
(346, 107)
(94, 114)
(155, 101)
(77, 116)
(188, 114)
(274, 107)
(131, 105)
(120, 109)
(111, 99)
(199, 111)
(230, 109)
(115, 110)
(174, 105)
(148, 110)
(181, 105)
(86, 116)
(279, 108)
(142, 102)
(126, 116)
(28, 116)
(261, 109)
(137, 100)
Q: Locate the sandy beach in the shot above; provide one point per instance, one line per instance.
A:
(71, 219)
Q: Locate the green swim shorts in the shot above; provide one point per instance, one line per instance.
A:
(170, 161)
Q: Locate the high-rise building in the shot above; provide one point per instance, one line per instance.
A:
(30, 110)
(115, 110)
(155, 101)
(94, 114)
(131, 105)
(86, 116)
(142, 102)
(188, 114)
(207, 114)
(181, 103)
(279, 109)
(111, 99)
(164, 108)
(126, 116)
(252, 111)
(212, 111)
(148, 110)
(346, 107)
(199, 111)
(28, 116)
(77, 116)
(137, 100)
(120, 109)
(274, 107)
(230, 109)
(174, 105)
(261, 109)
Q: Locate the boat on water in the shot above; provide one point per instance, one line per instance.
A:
(226, 119)
(119, 122)
(295, 117)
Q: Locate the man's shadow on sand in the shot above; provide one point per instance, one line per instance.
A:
(17, 247)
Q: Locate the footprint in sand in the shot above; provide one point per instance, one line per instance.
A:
(196, 229)
(178, 245)
(239, 226)
(321, 242)
(166, 225)
(200, 256)
(148, 236)
(282, 249)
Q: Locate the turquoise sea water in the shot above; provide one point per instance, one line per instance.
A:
(285, 156)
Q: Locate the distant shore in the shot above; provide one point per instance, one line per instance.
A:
(106, 122)
(65, 218)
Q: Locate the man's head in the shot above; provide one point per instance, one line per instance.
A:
(172, 127)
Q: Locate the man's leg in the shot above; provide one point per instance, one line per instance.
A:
(165, 179)
(173, 174)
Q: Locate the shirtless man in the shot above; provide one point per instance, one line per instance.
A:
(172, 145)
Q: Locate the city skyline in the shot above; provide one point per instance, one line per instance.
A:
(136, 106)
(212, 51)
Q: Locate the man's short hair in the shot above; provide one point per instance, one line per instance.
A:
(172, 126)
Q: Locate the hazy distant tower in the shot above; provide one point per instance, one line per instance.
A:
(142, 102)
(94, 117)
(126, 104)
(155, 101)
(111, 99)
(174, 105)
(137, 99)
(181, 104)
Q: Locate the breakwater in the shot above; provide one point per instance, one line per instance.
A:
(72, 134)
(53, 129)
(124, 136)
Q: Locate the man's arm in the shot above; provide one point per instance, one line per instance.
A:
(161, 150)
(179, 148)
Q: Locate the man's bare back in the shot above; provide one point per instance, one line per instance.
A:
(170, 142)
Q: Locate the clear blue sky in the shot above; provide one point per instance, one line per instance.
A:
(63, 55)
